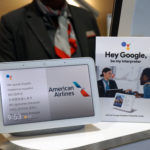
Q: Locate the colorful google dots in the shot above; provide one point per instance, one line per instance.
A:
(124, 44)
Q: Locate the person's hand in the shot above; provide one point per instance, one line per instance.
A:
(137, 94)
(128, 91)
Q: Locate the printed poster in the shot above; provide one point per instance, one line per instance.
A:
(123, 77)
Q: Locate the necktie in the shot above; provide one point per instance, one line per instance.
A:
(107, 85)
(65, 44)
(65, 40)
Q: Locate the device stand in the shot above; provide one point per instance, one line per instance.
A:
(48, 131)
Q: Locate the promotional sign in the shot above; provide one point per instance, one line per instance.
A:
(123, 74)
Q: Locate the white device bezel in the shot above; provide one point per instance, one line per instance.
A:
(55, 123)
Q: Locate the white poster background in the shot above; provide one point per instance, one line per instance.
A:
(127, 71)
(114, 46)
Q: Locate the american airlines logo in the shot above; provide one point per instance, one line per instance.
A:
(82, 90)
(68, 90)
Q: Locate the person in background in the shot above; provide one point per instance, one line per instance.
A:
(106, 83)
(47, 29)
(145, 80)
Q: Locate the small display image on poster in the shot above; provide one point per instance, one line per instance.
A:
(118, 100)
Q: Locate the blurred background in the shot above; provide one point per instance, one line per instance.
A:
(102, 9)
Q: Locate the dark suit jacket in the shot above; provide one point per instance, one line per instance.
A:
(23, 35)
(101, 89)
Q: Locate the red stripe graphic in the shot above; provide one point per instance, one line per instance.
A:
(84, 93)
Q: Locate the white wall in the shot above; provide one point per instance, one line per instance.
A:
(135, 20)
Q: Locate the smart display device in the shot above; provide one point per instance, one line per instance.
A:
(48, 94)
(124, 102)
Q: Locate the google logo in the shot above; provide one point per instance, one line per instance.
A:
(9, 76)
(124, 44)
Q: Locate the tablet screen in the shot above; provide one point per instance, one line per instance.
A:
(45, 94)
(119, 100)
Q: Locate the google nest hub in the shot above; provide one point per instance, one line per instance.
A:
(47, 95)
